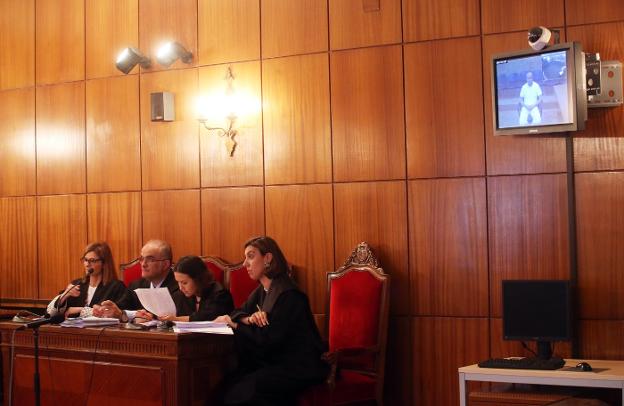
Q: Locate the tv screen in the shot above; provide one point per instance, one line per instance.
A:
(539, 91)
(536, 310)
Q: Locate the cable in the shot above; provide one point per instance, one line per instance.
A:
(97, 344)
(526, 347)
(11, 368)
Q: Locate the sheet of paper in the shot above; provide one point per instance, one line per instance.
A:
(198, 324)
(157, 301)
(208, 330)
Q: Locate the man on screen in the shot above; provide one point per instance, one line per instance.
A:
(530, 98)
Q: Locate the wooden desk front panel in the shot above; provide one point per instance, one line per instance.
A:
(116, 366)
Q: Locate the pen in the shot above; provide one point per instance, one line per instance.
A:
(260, 310)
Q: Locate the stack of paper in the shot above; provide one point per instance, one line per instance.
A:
(201, 327)
(157, 301)
(81, 322)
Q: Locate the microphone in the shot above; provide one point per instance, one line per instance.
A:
(87, 276)
(85, 279)
(48, 320)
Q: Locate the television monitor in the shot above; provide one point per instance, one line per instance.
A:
(537, 310)
(536, 92)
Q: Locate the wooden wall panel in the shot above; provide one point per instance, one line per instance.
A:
(62, 232)
(375, 212)
(426, 19)
(515, 154)
(601, 339)
(448, 247)
(444, 134)
(229, 218)
(528, 230)
(170, 150)
(364, 23)
(111, 26)
(367, 114)
(501, 348)
(18, 248)
(600, 146)
(228, 31)
(17, 41)
(116, 218)
(441, 345)
(297, 133)
(599, 204)
(168, 20)
(244, 168)
(299, 217)
(598, 153)
(113, 134)
(60, 126)
(595, 11)
(173, 216)
(17, 142)
(60, 40)
(520, 15)
(398, 379)
(293, 27)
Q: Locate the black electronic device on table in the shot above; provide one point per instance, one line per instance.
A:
(535, 310)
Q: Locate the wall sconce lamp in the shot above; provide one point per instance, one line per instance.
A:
(170, 52)
(129, 58)
(205, 107)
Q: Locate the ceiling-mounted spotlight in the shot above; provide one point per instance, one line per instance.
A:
(171, 51)
(129, 58)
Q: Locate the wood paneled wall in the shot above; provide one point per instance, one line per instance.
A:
(375, 125)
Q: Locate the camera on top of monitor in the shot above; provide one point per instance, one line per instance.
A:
(539, 37)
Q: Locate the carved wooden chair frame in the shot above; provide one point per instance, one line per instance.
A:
(362, 259)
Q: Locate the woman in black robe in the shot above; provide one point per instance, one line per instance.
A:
(200, 297)
(278, 343)
(99, 283)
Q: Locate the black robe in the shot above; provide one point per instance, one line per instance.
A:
(215, 301)
(131, 301)
(114, 290)
(278, 361)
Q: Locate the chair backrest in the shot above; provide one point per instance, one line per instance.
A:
(130, 271)
(238, 282)
(217, 266)
(358, 313)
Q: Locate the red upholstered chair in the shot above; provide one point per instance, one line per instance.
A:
(238, 282)
(217, 266)
(130, 271)
(358, 302)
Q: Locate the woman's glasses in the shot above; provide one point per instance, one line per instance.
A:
(91, 261)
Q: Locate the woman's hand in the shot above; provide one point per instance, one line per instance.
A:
(70, 290)
(259, 319)
(226, 319)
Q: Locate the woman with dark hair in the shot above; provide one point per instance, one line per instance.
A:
(278, 343)
(200, 297)
(99, 283)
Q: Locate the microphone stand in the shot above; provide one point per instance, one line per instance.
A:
(36, 381)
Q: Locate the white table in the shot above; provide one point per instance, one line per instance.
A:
(605, 374)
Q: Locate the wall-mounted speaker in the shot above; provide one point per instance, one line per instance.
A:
(162, 106)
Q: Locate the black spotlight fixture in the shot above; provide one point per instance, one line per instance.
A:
(129, 58)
